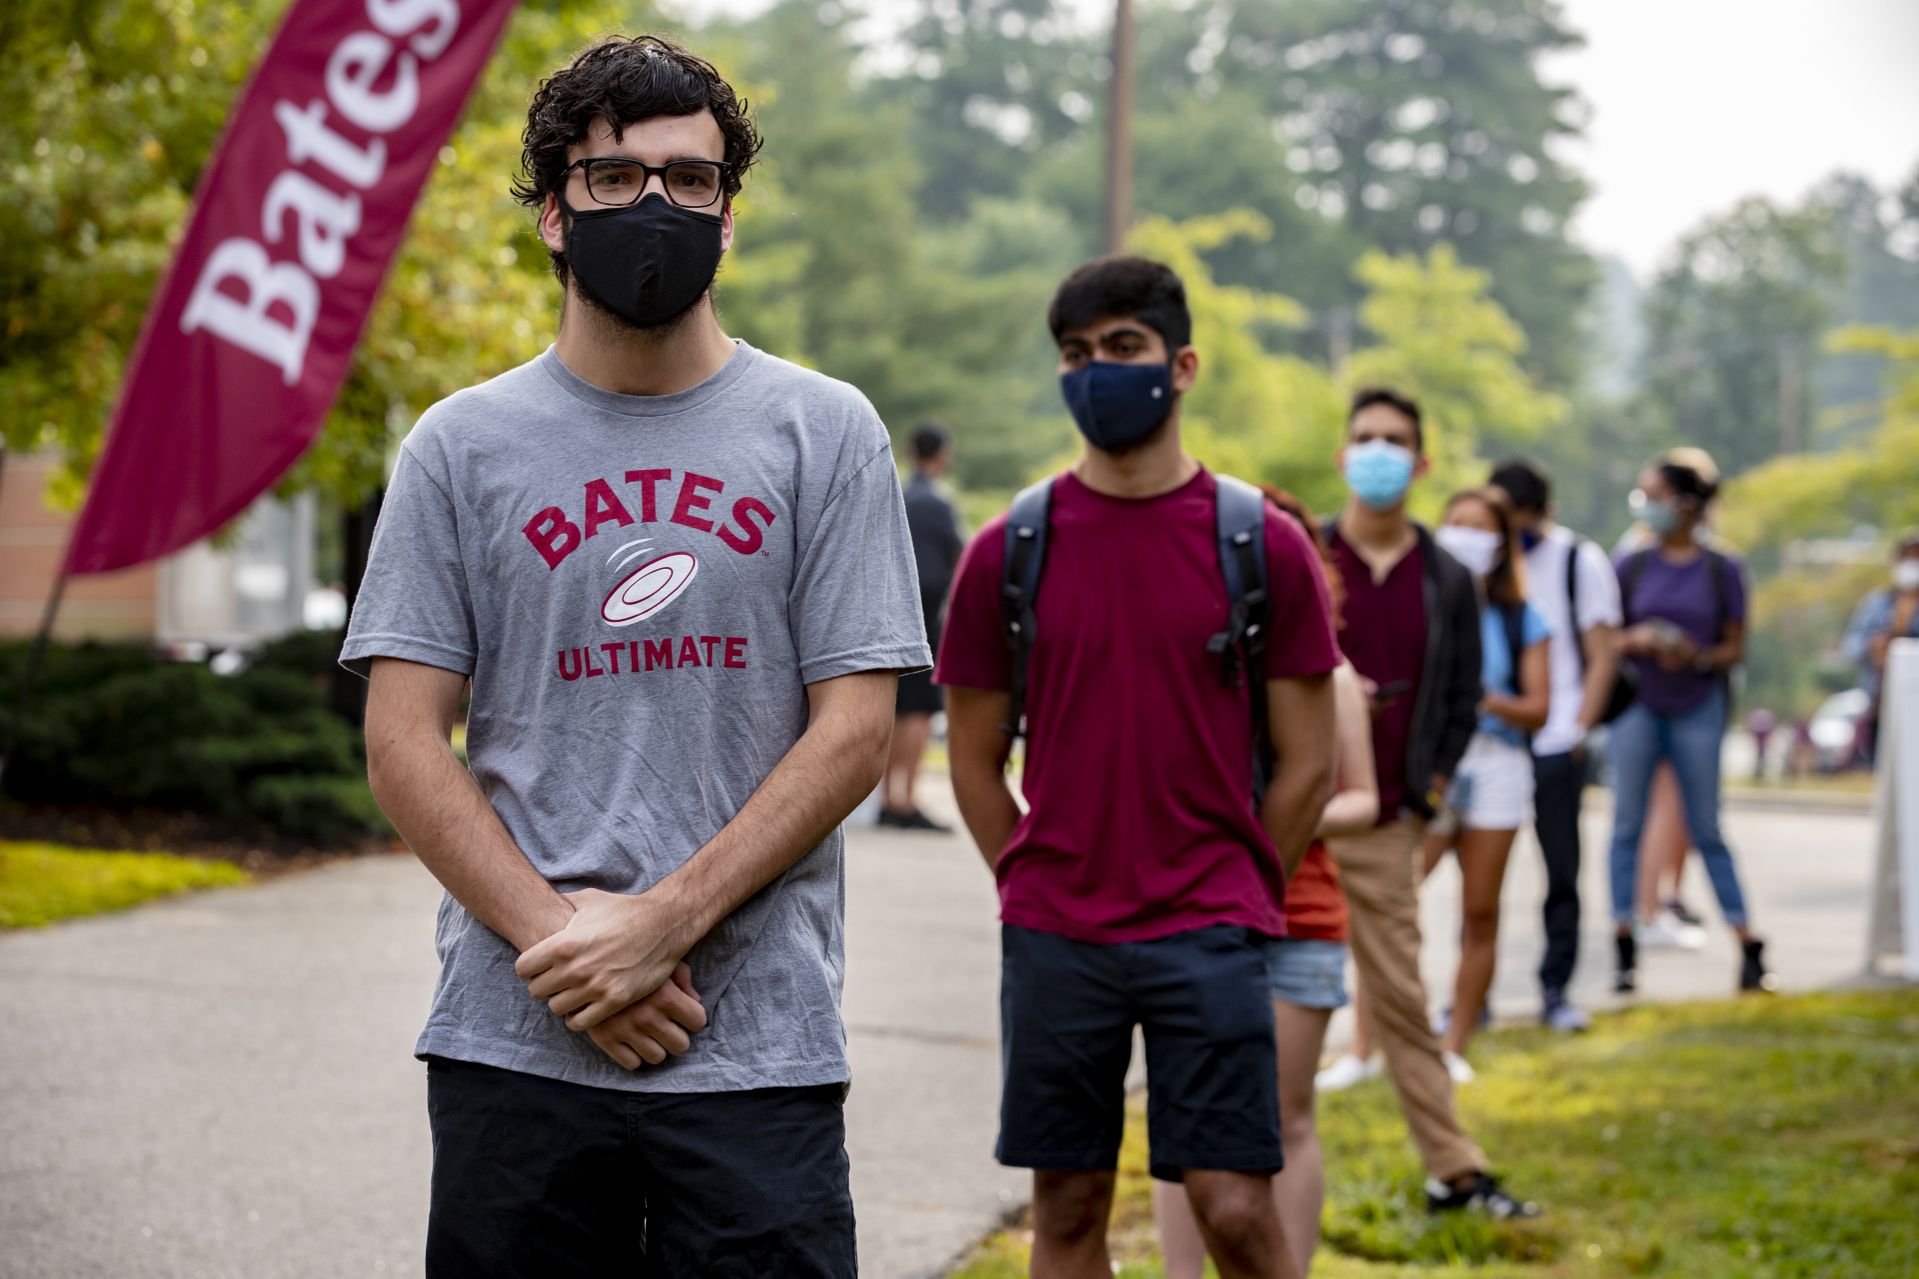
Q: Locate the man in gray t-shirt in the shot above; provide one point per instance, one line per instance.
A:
(677, 573)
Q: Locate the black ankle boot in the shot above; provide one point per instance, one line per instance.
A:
(1752, 968)
(1626, 980)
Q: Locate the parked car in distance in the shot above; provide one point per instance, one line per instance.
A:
(1838, 731)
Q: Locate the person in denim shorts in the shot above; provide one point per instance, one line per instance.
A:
(1306, 976)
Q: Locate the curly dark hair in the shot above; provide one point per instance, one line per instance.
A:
(1124, 287)
(624, 81)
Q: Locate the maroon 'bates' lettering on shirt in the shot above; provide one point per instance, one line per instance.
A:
(1139, 766)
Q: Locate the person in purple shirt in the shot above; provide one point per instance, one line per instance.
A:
(1685, 629)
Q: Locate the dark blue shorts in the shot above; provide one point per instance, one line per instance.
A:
(1067, 1012)
(535, 1176)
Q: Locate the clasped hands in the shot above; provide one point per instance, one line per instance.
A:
(615, 973)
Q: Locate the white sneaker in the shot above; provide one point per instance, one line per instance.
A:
(1346, 1072)
(1668, 932)
(1459, 1068)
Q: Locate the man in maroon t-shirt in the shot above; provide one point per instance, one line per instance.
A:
(1412, 629)
(1141, 883)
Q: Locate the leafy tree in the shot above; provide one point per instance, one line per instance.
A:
(1441, 336)
(1879, 235)
(111, 109)
(1349, 124)
(1784, 502)
(1407, 123)
(1870, 482)
(943, 323)
(118, 105)
(991, 86)
(1265, 414)
(1733, 325)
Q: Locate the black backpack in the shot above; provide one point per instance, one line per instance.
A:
(1241, 647)
(1625, 680)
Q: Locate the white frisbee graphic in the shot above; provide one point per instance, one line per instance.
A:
(649, 588)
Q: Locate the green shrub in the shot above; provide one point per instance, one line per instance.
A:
(117, 726)
(324, 809)
(273, 690)
(310, 653)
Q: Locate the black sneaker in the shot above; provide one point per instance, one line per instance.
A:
(1681, 912)
(1482, 1194)
(914, 819)
(1753, 977)
(892, 817)
(1626, 978)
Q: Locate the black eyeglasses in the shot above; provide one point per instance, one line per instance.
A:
(616, 181)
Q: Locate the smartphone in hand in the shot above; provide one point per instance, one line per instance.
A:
(1386, 694)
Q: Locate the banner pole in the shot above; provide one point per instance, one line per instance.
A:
(23, 695)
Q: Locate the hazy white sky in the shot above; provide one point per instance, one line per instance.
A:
(1696, 103)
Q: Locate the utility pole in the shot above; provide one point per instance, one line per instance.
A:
(1119, 129)
(1339, 337)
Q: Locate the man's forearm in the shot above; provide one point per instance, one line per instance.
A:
(834, 765)
(1293, 805)
(986, 805)
(438, 809)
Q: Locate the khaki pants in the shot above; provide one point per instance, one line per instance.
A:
(1378, 873)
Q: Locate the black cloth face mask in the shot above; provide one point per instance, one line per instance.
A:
(647, 262)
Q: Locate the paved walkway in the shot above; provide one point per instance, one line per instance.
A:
(221, 1085)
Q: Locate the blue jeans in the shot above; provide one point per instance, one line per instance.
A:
(1692, 740)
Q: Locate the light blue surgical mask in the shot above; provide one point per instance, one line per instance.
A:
(1657, 514)
(1379, 472)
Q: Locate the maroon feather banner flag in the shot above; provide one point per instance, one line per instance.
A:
(293, 228)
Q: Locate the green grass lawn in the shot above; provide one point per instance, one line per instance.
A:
(1763, 1138)
(40, 883)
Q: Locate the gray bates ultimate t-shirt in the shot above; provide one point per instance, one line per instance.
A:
(641, 588)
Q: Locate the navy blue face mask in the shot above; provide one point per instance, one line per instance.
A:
(1117, 405)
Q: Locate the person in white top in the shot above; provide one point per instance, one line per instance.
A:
(1567, 574)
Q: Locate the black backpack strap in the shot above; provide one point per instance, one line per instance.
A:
(1026, 525)
(1514, 617)
(1241, 647)
(1721, 594)
(1629, 580)
(1572, 603)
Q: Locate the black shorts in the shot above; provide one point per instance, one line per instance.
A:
(534, 1176)
(918, 694)
(1067, 1012)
